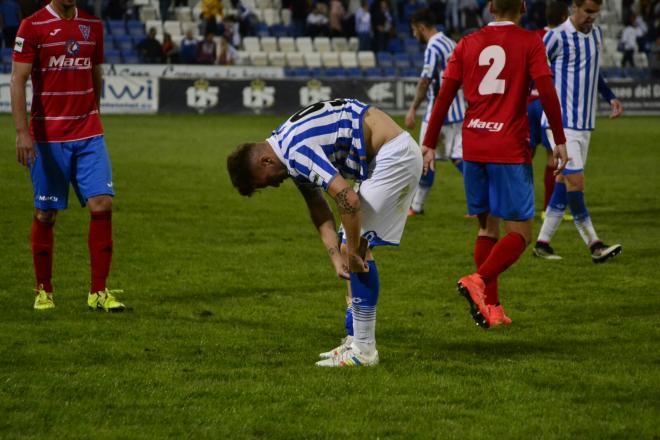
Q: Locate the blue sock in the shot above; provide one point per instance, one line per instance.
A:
(559, 199)
(459, 166)
(576, 203)
(365, 288)
(348, 321)
(427, 179)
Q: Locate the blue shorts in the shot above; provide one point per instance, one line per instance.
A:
(84, 164)
(506, 190)
(537, 134)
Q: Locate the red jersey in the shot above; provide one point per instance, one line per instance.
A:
(496, 66)
(62, 53)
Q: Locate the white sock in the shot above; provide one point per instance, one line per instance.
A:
(553, 218)
(364, 329)
(421, 195)
(586, 230)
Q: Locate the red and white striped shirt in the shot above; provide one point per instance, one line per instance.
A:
(62, 53)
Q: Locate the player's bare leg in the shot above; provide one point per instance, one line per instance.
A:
(100, 252)
(42, 255)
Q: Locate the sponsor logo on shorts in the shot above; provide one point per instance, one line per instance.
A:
(47, 198)
(485, 125)
(18, 44)
(109, 185)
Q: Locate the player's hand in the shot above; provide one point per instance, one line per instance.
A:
(428, 159)
(341, 266)
(25, 151)
(357, 264)
(559, 158)
(410, 118)
(617, 108)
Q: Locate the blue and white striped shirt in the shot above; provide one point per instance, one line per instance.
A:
(575, 63)
(323, 140)
(437, 53)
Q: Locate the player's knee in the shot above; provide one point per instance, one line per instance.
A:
(574, 182)
(45, 216)
(100, 203)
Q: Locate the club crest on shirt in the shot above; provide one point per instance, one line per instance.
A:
(84, 30)
(72, 47)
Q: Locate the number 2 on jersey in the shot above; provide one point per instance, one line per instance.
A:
(495, 57)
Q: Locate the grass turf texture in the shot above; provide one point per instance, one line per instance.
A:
(233, 298)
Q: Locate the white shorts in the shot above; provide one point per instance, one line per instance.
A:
(453, 140)
(388, 190)
(577, 147)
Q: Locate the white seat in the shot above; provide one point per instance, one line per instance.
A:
(157, 24)
(304, 44)
(183, 13)
(339, 44)
(641, 60)
(269, 44)
(366, 59)
(330, 59)
(322, 44)
(172, 27)
(148, 13)
(312, 59)
(287, 44)
(277, 4)
(271, 16)
(251, 44)
(295, 59)
(353, 44)
(264, 4)
(610, 44)
(259, 58)
(242, 58)
(286, 16)
(277, 59)
(250, 4)
(348, 59)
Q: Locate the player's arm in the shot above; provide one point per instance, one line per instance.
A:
(25, 151)
(97, 79)
(550, 103)
(348, 204)
(324, 220)
(441, 106)
(609, 96)
(420, 93)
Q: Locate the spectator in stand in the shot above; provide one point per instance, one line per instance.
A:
(150, 50)
(470, 14)
(10, 18)
(247, 20)
(211, 10)
(188, 48)
(382, 23)
(628, 42)
(317, 21)
(206, 50)
(231, 30)
(228, 54)
(363, 26)
(170, 50)
(337, 14)
(299, 10)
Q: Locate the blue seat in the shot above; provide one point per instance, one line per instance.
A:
(302, 72)
(335, 72)
(262, 30)
(5, 55)
(316, 72)
(113, 57)
(353, 72)
(412, 46)
(385, 59)
(410, 72)
(116, 27)
(130, 56)
(136, 29)
(402, 60)
(373, 72)
(124, 42)
(389, 72)
(395, 45)
(418, 60)
(279, 30)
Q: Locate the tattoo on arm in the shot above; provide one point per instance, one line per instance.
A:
(332, 251)
(343, 204)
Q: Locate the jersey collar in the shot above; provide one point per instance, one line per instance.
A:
(570, 28)
(501, 23)
(54, 13)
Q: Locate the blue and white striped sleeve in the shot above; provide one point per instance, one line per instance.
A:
(313, 165)
(551, 42)
(430, 60)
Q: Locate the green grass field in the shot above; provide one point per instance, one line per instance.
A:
(233, 298)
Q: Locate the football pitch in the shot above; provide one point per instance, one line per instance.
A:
(231, 299)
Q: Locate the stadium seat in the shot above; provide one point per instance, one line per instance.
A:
(410, 72)
(130, 57)
(172, 27)
(304, 44)
(251, 44)
(286, 17)
(334, 72)
(353, 72)
(6, 53)
(242, 58)
(418, 60)
(339, 44)
(641, 60)
(348, 59)
(148, 13)
(262, 30)
(268, 44)
(279, 30)
(124, 42)
(330, 59)
(394, 45)
(277, 59)
(136, 28)
(300, 71)
(108, 42)
(385, 59)
(271, 16)
(401, 60)
(353, 44)
(157, 24)
(183, 14)
(312, 59)
(373, 72)
(322, 44)
(116, 27)
(263, 4)
(258, 58)
(287, 44)
(389, 71)
(412, 46)
(295, 59)
(315, 72)
(113, 57)
(5, 67)
(366, 59)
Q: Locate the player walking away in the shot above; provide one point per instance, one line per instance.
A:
(495, 66)
(320, 147)
(61, 48)
(438, 50)
(574, 53)
(555, 13)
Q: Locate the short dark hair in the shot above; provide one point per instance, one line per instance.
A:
(424, 17)
(239, 167)
(556, 13)
(506, 7)
(579, 3)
